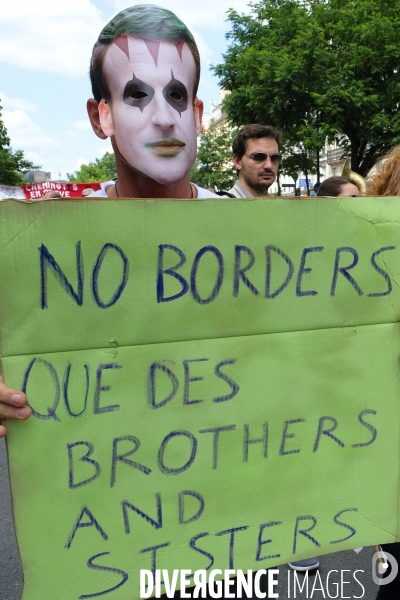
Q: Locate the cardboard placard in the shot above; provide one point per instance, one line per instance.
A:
(215, 384)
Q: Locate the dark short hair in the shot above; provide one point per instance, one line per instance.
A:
(248, 132)
(332, 186)
(143, 21)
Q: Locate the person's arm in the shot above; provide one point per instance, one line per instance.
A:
(12, 406)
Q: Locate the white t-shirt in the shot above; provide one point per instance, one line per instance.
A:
(201, 192)
(101, 193)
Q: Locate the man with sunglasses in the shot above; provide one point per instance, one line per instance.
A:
(256, 158)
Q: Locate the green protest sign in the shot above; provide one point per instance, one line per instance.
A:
(214, 384)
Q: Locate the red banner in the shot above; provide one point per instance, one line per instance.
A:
(67, 190)
(35, 191)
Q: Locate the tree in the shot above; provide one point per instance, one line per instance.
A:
(12, 162)
(318, 69)
(214, 167)
(4, 139)
(298, 160)
(102, 169)
(361, 99)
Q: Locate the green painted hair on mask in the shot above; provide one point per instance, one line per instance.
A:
(146, 21)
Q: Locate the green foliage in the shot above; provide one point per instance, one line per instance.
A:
(213, 167)
(318, 69)
(13, 165)
(4, 139)
(296, 160)
(102, 169)
(12, 162)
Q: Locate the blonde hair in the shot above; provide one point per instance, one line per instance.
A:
(386, 182)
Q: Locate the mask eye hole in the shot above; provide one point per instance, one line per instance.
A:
(138, 95)
(176, 96)
(175, 93)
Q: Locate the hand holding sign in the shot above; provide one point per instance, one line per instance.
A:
(12, 406)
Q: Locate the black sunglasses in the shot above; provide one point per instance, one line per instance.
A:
(261, 157)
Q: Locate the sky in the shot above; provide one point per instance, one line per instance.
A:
(45, 48)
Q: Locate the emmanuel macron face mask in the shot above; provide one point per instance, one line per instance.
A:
(149, 86)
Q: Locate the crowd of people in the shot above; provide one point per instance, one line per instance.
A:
(256, 157)
(153, 119)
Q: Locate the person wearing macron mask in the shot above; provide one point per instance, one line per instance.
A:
(145, 71)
